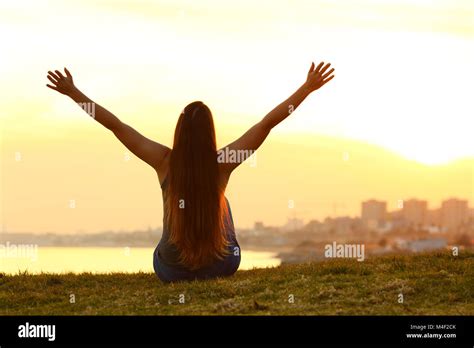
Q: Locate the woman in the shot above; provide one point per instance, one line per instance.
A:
(198, 240)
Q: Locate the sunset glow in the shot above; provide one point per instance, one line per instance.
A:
(404, 72)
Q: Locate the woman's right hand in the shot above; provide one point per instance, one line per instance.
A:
(318, 77)
(62, 84)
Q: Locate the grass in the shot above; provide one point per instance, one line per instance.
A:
(431, 284)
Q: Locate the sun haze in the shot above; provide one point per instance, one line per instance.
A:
(402, 97)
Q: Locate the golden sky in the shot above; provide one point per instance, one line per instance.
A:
(403, 83)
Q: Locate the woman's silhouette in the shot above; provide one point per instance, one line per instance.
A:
(198, 240)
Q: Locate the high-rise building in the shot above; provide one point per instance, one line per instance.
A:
(453, 213)
(433, 217)
(374, 213)
(414, 212)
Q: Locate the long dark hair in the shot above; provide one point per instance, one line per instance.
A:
(195, 200)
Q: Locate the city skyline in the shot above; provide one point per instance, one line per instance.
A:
(413, 210)
(450, 213)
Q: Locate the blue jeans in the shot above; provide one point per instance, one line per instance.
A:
(221, 268)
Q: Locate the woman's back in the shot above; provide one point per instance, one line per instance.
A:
(167, 256)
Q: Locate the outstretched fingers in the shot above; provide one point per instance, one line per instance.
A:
(326, 67)
(52, 87)
(61, 76)
(53, 76)
(68, 74)
(318, 68)
(52, 80)
(327, 74)
(328, 79)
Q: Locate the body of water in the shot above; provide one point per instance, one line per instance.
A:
(104, 260)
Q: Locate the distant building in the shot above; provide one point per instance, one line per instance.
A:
(293, 224)
(258, 226)
(453, 213)
(426, 244)
(414, 212)
(433, 217)
(340, 225)
(433, 229)
(374, 213)
(314, 226)
(396, 220)
(385, 227)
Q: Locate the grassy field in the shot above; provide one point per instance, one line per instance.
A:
(431, 284)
